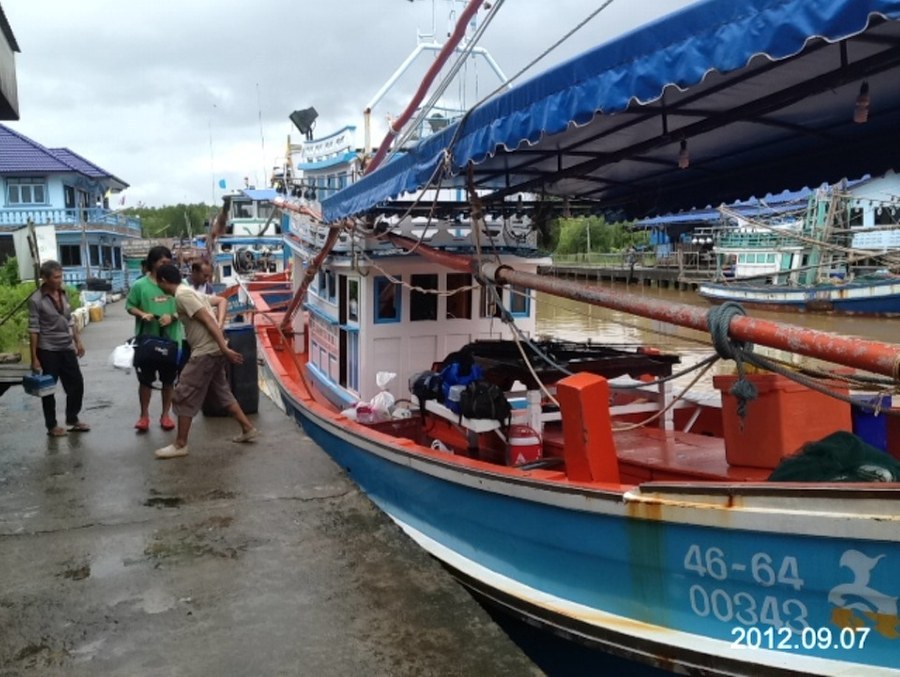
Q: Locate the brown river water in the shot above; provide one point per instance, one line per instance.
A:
(575, 321)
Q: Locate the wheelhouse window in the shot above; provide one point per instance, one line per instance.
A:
(326, 286)
(519, 301)
(26, 191)
(459, 298)
(387, 300)
(422, 304)
(331, 286)
(489, 305)
(353, 300)
(885, 216)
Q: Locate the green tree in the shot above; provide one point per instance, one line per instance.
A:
(575, 233)
(175, 221)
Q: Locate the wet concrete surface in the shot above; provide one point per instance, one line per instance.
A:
(257, 559)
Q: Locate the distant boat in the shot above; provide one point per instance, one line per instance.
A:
(252, 243)
(873, 296)
(822, 260)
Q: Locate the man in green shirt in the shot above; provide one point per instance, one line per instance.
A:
(155, 315)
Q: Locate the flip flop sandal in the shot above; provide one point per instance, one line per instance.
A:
(57, 432)
(80, 428)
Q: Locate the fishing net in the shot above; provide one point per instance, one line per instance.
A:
(839, 457)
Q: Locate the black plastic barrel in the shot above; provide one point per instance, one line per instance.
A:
(243, 378)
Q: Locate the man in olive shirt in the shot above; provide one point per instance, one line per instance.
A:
(56, 347)
(203, 377)
(156, 316)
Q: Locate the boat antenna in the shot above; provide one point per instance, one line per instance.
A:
(262, 139)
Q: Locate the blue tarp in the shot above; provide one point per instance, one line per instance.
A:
(679, 50)
(260, 193)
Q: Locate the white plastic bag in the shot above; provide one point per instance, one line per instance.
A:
(383, 402)
(122, 357)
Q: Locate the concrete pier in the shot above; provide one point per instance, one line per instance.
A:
(257, 559)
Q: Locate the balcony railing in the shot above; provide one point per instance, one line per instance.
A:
(71, 219)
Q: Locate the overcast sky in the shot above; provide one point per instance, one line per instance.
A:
(172, 96)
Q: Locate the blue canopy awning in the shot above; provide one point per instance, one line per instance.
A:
(760, 92)
(259, 193)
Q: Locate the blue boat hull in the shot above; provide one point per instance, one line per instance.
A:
(881, 297)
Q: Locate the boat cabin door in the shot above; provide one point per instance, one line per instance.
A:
(348, 315)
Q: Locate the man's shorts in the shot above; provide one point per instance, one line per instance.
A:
(147, 375)
(202, 380)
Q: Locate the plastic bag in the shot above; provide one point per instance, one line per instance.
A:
(383, 402)
(122, 357)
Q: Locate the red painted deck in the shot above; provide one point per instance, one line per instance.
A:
(645, 454)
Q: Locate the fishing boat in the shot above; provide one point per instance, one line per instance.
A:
(837, 256)
(251, 243)
(599, 502)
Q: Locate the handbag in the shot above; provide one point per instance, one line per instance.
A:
(155, 352)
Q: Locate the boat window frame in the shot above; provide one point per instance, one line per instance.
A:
(378, 286)
(352, 300)
(488, 307)
(427, 301)
(518, 294)
(458, 290)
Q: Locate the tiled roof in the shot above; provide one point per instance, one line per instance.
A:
(75, 160)
(84, 166)
(18, 153)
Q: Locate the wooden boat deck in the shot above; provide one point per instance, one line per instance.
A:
(652, 455)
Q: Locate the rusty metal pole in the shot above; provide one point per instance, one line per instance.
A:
(873, 356)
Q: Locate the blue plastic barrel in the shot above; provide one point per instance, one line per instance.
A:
(866, 424)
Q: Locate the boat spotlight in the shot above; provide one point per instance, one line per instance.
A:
(305, 121)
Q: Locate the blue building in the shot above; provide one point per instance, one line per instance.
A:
(57, 186)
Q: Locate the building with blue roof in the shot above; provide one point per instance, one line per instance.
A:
(59, 187)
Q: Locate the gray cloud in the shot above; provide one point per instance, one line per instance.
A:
(172, 96)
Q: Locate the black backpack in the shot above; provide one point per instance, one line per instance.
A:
(483, 399)
(426, 385)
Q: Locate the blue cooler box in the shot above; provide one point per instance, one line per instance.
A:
(39, 385)
(866, 424)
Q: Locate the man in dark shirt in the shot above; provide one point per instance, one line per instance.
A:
(56, 347)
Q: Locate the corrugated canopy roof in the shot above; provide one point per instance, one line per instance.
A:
(761, 91)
